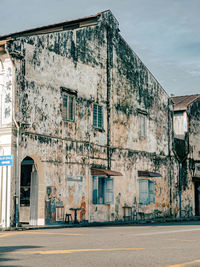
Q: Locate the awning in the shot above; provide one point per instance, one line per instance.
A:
(104, 172)
(148, 174)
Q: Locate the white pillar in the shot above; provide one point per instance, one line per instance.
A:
(5, 179)
(8, 195)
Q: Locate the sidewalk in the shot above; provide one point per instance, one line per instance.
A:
(108, 223)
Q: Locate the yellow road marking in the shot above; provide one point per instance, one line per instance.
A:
(10, 234)
(67, 251)
(49, 233)
(39, 233)
(184, 264)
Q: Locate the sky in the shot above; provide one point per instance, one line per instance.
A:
(165, 34)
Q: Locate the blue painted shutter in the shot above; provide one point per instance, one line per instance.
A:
(151, 192)
(143, 192)
(100, 117)
(108, 191)
(95, 189)
(95, 115)
(71, 108)
(65, 107)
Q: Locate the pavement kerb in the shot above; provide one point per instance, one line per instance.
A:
(98, 224)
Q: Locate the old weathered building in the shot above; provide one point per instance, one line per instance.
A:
(87, 123)
(187, 151)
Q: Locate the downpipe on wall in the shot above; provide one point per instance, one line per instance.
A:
(109, 77)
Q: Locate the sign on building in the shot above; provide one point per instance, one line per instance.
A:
(6, 160)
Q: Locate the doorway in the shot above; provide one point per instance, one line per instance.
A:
(28, 192)
(197, 198)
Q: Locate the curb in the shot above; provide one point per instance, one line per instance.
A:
(102, 224)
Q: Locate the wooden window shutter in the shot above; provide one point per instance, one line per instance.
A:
(100, 117)
(95, 189)
(143, 192)
(95, 115)
(65, 107)
(108, 191)
(71, 108)
(151, 192)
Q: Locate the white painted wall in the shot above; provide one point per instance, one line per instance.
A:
(5, 138)
(180, 123)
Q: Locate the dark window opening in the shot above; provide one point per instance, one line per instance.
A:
(26, 169)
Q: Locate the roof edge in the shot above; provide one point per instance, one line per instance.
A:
(51, 26)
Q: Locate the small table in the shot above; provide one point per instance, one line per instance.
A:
(127, 213)
(75, 214)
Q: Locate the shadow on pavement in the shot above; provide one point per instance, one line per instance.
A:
(4, 253)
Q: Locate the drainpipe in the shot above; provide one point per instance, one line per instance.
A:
(170, 128)
(17, 175)
(109, 76)
(180, 187)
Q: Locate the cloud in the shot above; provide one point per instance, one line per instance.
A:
(165, 34)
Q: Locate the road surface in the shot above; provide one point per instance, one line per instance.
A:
(172, 244)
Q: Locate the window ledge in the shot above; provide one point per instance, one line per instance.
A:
(102, 130)
(142, 138)
(67, 121)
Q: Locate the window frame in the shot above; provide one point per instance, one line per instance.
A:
(66, 115)
(106, 193)
(98, 117)
(150, 193)
(142, 124)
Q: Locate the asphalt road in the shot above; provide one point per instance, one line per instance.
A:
(172, 244)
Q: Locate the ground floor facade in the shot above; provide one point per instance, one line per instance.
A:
(53, 177)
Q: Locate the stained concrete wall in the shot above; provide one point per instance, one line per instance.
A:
(193, 159)
(194, 129)
(98, 64)
(186, 144)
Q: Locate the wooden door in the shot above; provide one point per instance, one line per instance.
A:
(197, 198)
(34, 198)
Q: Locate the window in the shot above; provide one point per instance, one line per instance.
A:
(68, 107)
(97, 116)
(146, 192)
(142, 125)
(102, 190)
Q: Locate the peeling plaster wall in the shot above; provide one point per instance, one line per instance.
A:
(194, 129)
(64, 149)
(190, 166)
(135, 91)
(97, 63)
(187, 140)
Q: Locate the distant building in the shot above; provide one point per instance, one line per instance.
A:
(187, 150)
